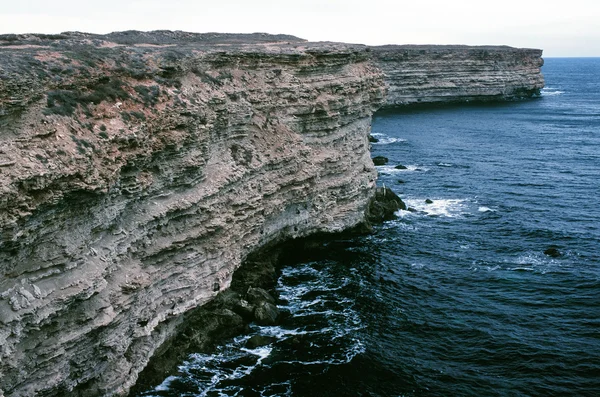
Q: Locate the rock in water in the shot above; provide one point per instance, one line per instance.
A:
(266, 313)
(259, 341)
(258, 295)
(553, 252)
(384, 205)
(429, 201)
(400, 167)
(380, 160)
(372, 139)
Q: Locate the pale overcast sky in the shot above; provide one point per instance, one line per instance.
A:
(561, 28)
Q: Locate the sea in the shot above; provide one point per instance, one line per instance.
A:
(489, 286)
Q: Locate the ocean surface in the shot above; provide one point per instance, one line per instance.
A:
(458, 297)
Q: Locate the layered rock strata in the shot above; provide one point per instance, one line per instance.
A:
(454, 74)
(138, 171)
(136, 178)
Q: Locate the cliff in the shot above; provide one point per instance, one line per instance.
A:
(139, 170)
(453, 74)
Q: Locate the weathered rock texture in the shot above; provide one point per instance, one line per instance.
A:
(136, 178)
(138, 170)
(448, 74)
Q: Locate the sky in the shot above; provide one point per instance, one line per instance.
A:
(560, 28)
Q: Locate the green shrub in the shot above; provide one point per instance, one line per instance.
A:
(111, 89)
(149, 95)
(138, 115)
(64, 102)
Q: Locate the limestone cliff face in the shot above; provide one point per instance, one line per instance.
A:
(136, 178)
(447, 74)
(137, 171)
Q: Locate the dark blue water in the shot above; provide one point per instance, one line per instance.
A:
(457, 298)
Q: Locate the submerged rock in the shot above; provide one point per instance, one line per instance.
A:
(552, 252)
(401, 167)
(259, 341)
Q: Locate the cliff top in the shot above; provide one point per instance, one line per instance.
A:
(165, 38)
(449, 47)
(133, 37)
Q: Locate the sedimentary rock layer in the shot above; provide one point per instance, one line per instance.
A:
(135, 179)
(138, 170)
(447, 74)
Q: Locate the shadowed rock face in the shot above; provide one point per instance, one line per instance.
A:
(138, 170)
(454, 74)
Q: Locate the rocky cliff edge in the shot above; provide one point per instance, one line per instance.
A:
(416, 74)
(138, 170)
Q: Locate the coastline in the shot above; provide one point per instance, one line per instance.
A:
(115, 225)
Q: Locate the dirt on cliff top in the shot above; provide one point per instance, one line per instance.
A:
(133, 37)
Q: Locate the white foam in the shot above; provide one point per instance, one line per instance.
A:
(549, 91)
(532, 259)
(268, 391)
(339, 322)
(211, 365)
(485, 209)
(521, 269)
(399, 224)
(445, 165)
(345, 357)
(391, 169)
(450, 208)
(261, 352)
(164, 386)
(384, 139)
(281, 333)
